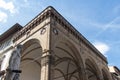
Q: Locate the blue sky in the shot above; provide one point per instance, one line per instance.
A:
(97, 20)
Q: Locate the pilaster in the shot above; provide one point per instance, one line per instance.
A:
(47, 61)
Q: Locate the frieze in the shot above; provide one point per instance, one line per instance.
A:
(32, 24)
(40, 18)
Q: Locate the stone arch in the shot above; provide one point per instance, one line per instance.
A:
(70, 44)
(67, 54)
(29, 42)
(31, 60)
(92, 70)
(105, 74)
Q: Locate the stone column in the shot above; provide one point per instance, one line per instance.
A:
(47, 61)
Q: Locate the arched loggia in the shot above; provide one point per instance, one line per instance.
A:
(92, 70)
(31, 60)
(68, 62)
(105, 74)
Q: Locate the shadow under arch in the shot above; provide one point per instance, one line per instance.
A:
(105, 74)
(70, 62)
(29, 42)
(69, 52)
(31, 60)
(92, 69)
(76, 54)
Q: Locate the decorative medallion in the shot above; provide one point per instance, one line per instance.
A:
(43, 30)
(55, 31)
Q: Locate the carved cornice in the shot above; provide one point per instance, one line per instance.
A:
(33, 23)
(51, 12)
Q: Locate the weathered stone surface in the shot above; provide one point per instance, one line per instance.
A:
(52, 49)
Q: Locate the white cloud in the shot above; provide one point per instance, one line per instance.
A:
(102, 47)
(7, 6)
(3, 17)
(112, 25)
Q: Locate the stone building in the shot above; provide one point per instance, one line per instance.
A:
(52, 49)
(115, 72)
